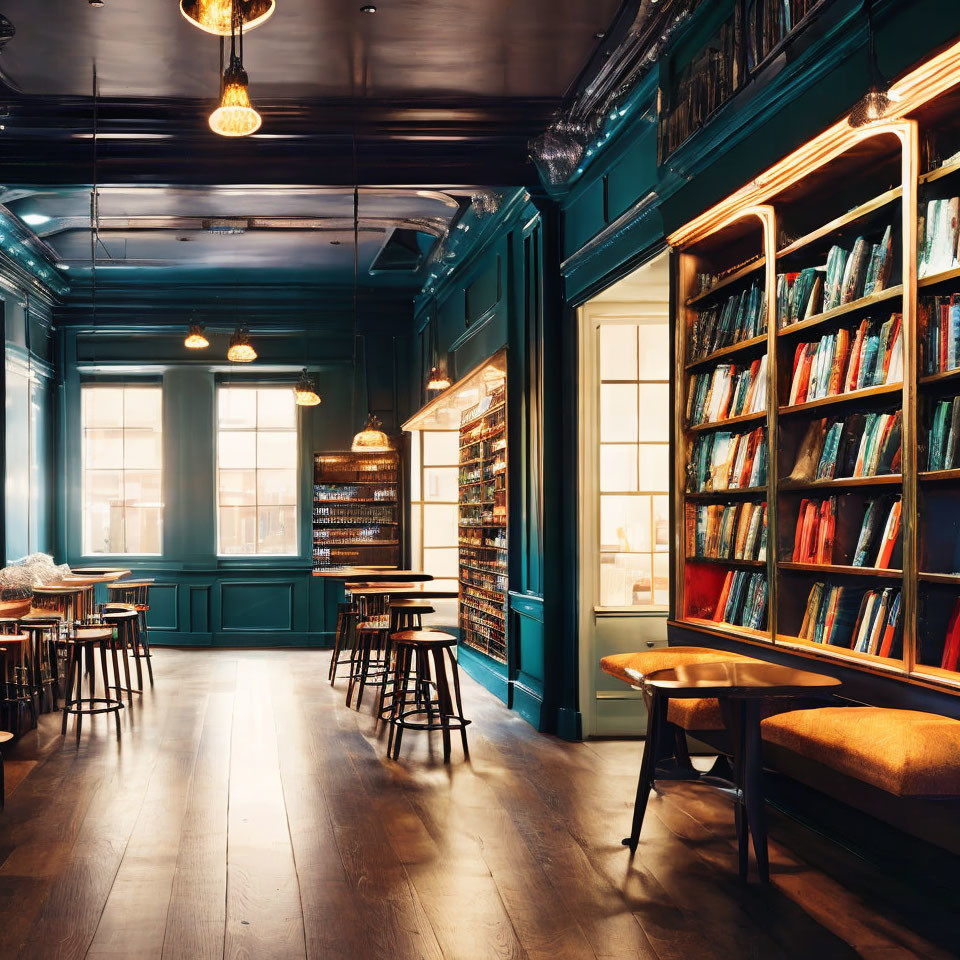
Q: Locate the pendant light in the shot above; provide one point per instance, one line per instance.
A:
(437, 381)
(196, 339)
(875, 103)
(241, 349)
(305, 392)
(235, 117)
(213, 16)
(371, 439)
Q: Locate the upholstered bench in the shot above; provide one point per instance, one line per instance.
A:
(695, 714)
(904, 752)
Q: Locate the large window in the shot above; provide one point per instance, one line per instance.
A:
(122, 468)
(634, 464)
(256, 471)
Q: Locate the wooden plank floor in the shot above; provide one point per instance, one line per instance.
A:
(247, 813)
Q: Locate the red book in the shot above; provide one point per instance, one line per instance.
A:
(724, 593)
(798, 536)
(853, 368)
(944, 327)
(892, 532)
(894, 333)
(951, 645)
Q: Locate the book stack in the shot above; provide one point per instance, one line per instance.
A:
(799, 295)
(944, 433)
(743, 600)
(741, 317)
(939, 319)
(951, 642)
(860, 445)
(727, 391)
(830, 614)
(816, 526)
(877, 629)
(937, 237)
(879, 543)
(729, 531)
(727, 461)
(844, 361)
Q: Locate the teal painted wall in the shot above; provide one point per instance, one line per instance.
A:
(200, 598)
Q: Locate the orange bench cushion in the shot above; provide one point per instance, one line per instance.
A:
(696, 714)
(905, 752)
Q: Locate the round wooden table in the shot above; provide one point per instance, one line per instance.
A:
(741, 688)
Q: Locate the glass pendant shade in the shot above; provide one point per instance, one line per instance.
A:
(305, 392)
(438, 381)
(213, 16)
(371, 439)
(241, 349)
(873, 105)
(196, 339)
(235, 117)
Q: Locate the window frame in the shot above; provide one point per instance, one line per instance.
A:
(229, 382)
(122, 382)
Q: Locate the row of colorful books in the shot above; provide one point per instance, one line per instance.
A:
(816, 528)
(867, 621)
(879, 542)
(951, 643)
(728, 531)
(859, 445)
(727, 461)
(743, 600)
(727, 391)
(940, 332)
(846, 277)
(836, 364)
(740, 317)
(944, 435)
(937, 236)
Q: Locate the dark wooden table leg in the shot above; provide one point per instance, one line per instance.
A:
(733, 718)
(753, 785)
(656, 717)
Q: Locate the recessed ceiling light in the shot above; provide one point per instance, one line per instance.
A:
(63, 266)
(368, 8)
(35, 219)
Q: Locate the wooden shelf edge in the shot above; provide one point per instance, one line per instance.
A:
(937, 173)
(823, 318)
(729, 422)
(735, 492)
(865, 393)
(943, 276)
(841, 570)
(880, 480)
(940, 377)
(727, 281)
(729, 562)
(937, 476)
(838, 223)
(726, 628)
(947, 579)
(733, 349)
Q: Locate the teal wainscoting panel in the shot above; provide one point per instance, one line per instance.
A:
(199, 607)
(255, 606)
(635, 171)
(489, 673)
(584, 217)
(526, 630)
(164, 607)
(485, 291)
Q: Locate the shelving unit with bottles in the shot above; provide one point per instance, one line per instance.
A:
(483, 526)
(863, 485)
(356, 510)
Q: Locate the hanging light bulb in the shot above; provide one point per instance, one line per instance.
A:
(875, 103)
(213, 16)
(438, 381)
(371, 439)
(235, 117)
(305, 392)
(241, 349)
(196, 339)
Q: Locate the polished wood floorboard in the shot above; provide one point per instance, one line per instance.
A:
(247, 813)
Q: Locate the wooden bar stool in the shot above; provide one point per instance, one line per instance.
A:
(5, 737)
(342, 639)
(70, 600)
(367, 655)
(136, 593)
(83, 645)
(17, 692)
(428, 656)
(404, 615)
(126, 623)
(42, 657)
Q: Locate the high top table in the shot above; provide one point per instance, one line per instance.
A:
(372, 574)
(742, 688)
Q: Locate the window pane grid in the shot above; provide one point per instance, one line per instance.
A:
(257, 476)
(122, 469)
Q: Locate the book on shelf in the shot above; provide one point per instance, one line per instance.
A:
(950, 659)
(937, 237)
(830, 614)
(847, 276)
(876, 629)
(741, 316)
(816, 529)
(880, 542)
(939, 322)
(735, 531)
(743, 600)
(944, 432)
(727, 461)
(859, 445)
(844, 361)
(727, 391)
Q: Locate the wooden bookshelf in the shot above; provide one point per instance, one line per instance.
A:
(751, 345)
(483, 510)
(727, 281)
(836, 569)
(845, 310)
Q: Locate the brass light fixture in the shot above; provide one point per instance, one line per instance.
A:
(235, 117)
(875, 103)
(213, 16)
(371, 439)
(438, 381)
(241, 349)
(196, 339)
(305, 392)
